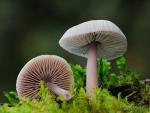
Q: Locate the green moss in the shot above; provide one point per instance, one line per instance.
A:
(103, 100)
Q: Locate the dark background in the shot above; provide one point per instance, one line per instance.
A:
(29, 28)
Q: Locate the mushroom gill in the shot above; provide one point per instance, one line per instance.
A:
(52, 69)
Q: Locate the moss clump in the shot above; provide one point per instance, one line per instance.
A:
(102, 102)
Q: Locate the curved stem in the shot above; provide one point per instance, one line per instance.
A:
(92, 78)
(59, 91)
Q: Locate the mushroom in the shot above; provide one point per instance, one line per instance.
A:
(53, 70)
(94, 39)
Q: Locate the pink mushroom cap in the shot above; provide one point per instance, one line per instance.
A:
(52, 69)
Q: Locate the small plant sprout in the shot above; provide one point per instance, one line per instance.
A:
(94, 39)
(53, 70)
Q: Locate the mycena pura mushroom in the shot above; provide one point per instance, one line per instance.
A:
(52, 69)
(94, 39)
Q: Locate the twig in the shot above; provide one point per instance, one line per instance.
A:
(131, 94)
(147, 81)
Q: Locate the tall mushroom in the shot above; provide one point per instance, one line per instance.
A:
(94, 39)
(53, 70)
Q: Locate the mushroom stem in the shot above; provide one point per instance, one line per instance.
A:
(59, 91)
(92, 78)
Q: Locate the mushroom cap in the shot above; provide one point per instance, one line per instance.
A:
(111, 42)
(49, 68)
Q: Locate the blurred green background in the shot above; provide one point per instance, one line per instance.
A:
(29, 28)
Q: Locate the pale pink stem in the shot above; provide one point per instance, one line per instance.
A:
(59, 91)
(92, 77)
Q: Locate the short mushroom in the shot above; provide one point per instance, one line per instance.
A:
(53, 70)
(94, 39)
